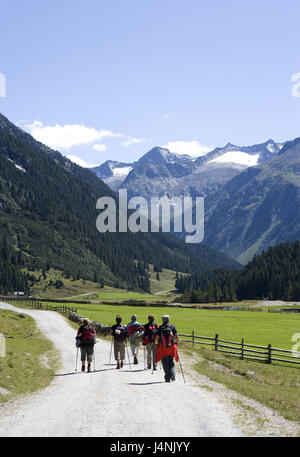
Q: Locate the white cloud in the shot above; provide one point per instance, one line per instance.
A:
(192, 148)
(66, 136)
(100, 147)
(81, 162)
(132, 140)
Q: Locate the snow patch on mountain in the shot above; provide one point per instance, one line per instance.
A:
(242, 158)
(121, 172)
(17, 166)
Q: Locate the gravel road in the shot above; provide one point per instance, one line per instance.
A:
(111, 403)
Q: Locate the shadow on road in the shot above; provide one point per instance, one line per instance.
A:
(144, 383)
(79, 372)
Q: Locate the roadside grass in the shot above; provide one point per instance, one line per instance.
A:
(276, 386)
(30, 360)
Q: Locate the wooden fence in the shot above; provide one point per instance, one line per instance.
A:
(241, 350)
(38, 305)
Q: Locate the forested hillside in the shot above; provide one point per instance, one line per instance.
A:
(274, 274)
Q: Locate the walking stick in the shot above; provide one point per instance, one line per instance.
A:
(110, 350)
(144, 357)
(94, 361)
(181, 369)
(128, 354)
(76, 360)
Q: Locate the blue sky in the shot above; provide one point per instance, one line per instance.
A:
(110, 79)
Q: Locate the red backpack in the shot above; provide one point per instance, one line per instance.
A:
(88, 335)
(167, 338)
(150, 331)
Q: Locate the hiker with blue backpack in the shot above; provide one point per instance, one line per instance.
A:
(119, 334)
(166, 342)
(86, 340)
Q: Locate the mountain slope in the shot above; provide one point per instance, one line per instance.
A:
(258, 208)
(48, 212)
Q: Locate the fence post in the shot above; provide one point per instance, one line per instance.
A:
(269, 353)
(193, 337)
(242, 348)
(216, 342)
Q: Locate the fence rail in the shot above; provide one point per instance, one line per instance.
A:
(38, 305)
(242, 350)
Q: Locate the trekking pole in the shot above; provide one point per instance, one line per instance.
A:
(144, 357)
(110, 350)
(76, 360)
(181, 369)
(94, 361)
(128, 354)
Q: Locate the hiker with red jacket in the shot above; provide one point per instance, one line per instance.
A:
(150, 331)
(119, 334)
(86, 339)
(166, 341)
(135, 331)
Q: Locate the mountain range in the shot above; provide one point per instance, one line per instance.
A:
(48, 215)
(252, 193)
(162, 173)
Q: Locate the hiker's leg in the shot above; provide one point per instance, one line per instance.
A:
(165, 364)
(132, 345)
(153, 349)
(82, 357)
(116, 350)
(122, 351)
(148, 348)
(137, 345)
(172, 368)
(89, 355)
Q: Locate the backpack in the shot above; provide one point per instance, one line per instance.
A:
(87, 335)
(167, 338)
(122, 335)
(134, 329)
(150, 331)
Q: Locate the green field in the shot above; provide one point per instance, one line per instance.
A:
(259, 328)
(30, 359)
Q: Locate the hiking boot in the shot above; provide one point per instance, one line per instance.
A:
(135, 360)
(154, 367)
(173, 378)
(121, 363)
(83, 368)
(149, 367)
(118, 366)
(89, 368)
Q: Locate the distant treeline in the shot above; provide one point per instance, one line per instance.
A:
(274, 274)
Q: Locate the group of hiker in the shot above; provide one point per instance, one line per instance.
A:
(160, 343)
